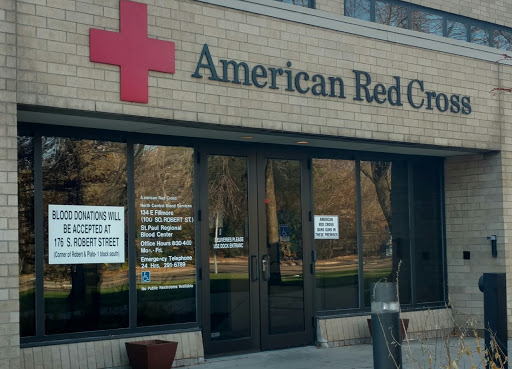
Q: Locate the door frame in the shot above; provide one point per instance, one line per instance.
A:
(256, 155)
(284, 340)
(250, 343)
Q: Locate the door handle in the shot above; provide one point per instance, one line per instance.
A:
(254, 268)
(265, 267)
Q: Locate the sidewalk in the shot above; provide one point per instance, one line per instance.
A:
(348, 357)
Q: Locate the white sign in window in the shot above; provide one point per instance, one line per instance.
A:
(85, 234)
(326, 227)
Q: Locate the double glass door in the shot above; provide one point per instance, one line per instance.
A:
(256, 252)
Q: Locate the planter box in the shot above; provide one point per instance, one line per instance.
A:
(151, 354)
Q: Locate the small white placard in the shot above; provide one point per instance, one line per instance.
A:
(326, 227)
(85, 234)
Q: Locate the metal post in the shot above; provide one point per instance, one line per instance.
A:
(387, 348)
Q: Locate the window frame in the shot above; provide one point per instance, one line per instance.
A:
(467, 21)
(358, 157)
(37, 131)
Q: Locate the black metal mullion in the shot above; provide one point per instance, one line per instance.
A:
(412, 243)
(198, 252)
(132, 262)
(39, 236)
(443, 231)
(359, 222)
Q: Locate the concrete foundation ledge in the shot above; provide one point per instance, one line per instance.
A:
(109, 353)
(345, 331)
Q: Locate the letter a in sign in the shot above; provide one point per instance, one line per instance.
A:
(133, 51)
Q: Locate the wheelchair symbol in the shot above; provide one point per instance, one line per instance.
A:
(145, 277)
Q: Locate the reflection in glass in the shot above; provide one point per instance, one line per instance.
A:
(502, 39)
(26, 235)
(426, 22)
(230, 308)
(284, 253)
(479, 36)
(385, 225)
(376, 221)
(456, 30)
(334, 187)
(84, 297)
(359, 9)
(427, 237)
(390, 14)
(166, 282)
(304, 3)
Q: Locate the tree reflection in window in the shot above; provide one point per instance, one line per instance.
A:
(502, 40)
(360, 9)
(26, 242)
(391, 15)
(334, 186)
(377, 223)
(426, 22)
(304, 3)
(84, 297)
(479, 36)
(456, 30)
(165, 174)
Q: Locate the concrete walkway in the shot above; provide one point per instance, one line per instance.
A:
(352, 357)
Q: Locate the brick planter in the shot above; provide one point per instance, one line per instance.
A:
(151, 354)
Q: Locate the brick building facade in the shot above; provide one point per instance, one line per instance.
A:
(51, 88)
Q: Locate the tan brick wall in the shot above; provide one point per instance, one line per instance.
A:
(54, 70)
(107, 353)
(354, 330)
(9, 291)
(474, 210)
(494, 11)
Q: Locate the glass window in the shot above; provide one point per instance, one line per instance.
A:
(26, 235)
(502, 39)
(230, 309)
(334, 186)
(426, 22)
(360, 9)
(427, 231)
(479, 36)
(391, 14)
(285, 277)
(456, 30)
(166, 271)
(385, 223)
(304, 3)
(92, 295)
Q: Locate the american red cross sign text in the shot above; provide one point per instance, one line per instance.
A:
(132, 50)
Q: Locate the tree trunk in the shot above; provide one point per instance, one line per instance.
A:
(272, 225)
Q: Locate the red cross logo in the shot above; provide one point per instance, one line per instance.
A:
(132, 50)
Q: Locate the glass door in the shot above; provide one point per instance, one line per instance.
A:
(286, 265)
(256, 265)
(229, 255)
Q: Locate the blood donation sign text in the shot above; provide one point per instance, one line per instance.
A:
(85, 234)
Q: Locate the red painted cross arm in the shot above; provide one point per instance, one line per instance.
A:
(133, 51)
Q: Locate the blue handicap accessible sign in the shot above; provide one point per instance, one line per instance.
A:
(284, 232)
(146, 277)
